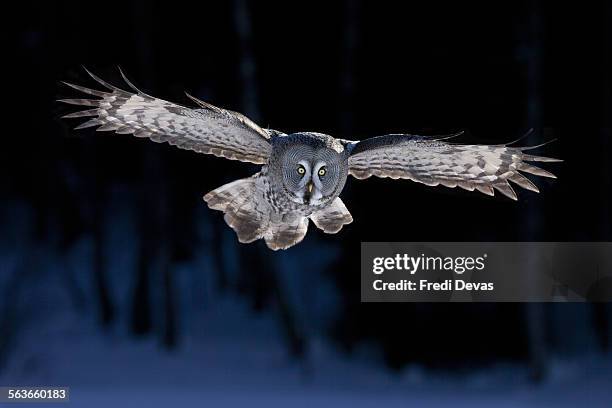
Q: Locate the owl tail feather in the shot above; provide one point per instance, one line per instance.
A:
(238, 203)
(286, 233)
(332, 218)
(251, 217)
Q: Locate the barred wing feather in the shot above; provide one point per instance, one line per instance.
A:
(435, 162)
(209, 130)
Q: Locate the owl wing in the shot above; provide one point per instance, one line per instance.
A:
(210, 129)
(432, 161)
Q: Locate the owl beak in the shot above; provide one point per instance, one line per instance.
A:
(308, 192)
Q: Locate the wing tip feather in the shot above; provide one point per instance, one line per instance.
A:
(506, 190)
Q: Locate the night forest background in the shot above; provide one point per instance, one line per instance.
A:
(108, 234)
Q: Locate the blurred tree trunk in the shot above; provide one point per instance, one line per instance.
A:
(250, 263)
(293, 335)
(218, 227)
(256, 260)
(106, 308)
(347, 73)
(141, 319)
(99, 203)
(250, 90)
(12, 316)
(166, 238)
(535, 315)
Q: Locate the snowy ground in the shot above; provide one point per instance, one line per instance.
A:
(246, 364)
(229, 356)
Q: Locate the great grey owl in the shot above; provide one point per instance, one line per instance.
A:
(303, 173)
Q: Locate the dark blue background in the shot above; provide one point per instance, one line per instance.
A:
(115, 276)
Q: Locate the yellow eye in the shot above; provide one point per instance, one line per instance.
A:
(301, 170)
(322, 171)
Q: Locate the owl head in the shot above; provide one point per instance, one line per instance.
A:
(312, 167)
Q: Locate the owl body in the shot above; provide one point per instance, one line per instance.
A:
(303, 173)
(302, 181)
